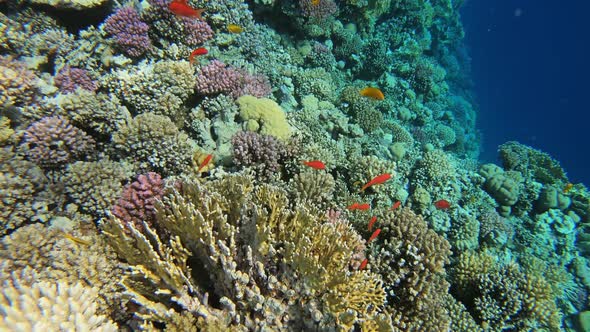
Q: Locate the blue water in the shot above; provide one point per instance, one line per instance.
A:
(531, 70)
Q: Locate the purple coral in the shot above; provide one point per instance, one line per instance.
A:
(53, 141)
(131, 34)
(264, 153)
(217, 77)
(136, 203)
(197, 31)
(69, 79)
(320, 10)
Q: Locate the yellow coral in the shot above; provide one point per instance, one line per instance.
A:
(5, 130)
(264, 116)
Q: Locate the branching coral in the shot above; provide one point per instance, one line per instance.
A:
(411, 259)
(155, 143)
(17, 83)
(264, 264)
(53, 141)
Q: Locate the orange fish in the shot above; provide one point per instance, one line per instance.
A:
(442, 204)
(374, 93)
(379, 179)
(371, 222)
(374, 235)
(198, 51)
(234, 28)
(567, 188)
(182, 8)
(396, 205)
(205, 162)
(315, 164)
(363, 264)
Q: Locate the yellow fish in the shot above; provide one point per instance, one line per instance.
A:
(234, 28)
(315, 2)
(567, 188)
(76, 239)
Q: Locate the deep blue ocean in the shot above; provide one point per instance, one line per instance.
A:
(531, 70)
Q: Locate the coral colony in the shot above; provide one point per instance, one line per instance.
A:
(269, 165)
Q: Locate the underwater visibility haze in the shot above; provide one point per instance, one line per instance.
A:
(304, 165)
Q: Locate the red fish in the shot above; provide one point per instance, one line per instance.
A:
(379, 179)
(205, 162)
(182, 8)
(363, 264)
(364, 207)
(374, 235)
(353, 206)
(396, 205)
(315, 164)
(442, 204)
(198, 51)
(371, 222)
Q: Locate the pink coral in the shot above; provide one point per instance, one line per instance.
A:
(217, 77)
(131, 34)
(53, 141)
(136, 203)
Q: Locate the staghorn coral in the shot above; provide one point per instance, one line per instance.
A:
(239, 236)
(53, 141)
(411, 259)
(155, 143)
(24, 192)
(94, 186)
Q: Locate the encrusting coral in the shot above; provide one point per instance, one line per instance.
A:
(255, 261)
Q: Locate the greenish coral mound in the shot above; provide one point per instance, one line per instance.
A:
(155, 143)
(505, 296)
(269, 265)
(24, 192)
(264, 116)
(94, 186)
(531, 162)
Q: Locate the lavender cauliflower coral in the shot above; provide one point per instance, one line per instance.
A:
(264, 153)
(69, 79)
(217, 77)
(131, 34)
(53, 141)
